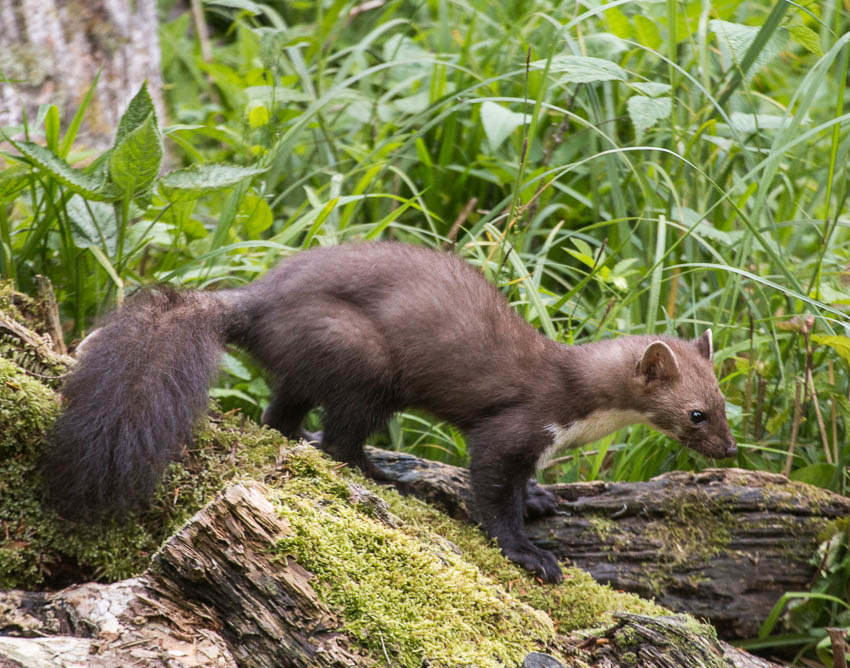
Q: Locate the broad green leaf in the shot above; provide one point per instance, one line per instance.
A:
(192, 227)
(618, 23)
(401, 47)
(256, 114)
(832, 296)
(245, 5)
(652, 88)
(584, 254)
(583, 246)
(735, 39)
(814, 474)
(701, 227)
(413, 104)
(235, 367)
(582, 69)
(90, 186)
(647, 31)
(192, 182)
(410, 58)
(499, 122)
(749, 123)
(840, 344)
(92, 224)
(647, 111)
(231, 393)
(255, 215)
(135, 160)
(137, 113)
(622, 267)
(605, 45)
(807, 38)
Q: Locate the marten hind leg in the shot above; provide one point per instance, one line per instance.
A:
(345, 431)
(286, 414)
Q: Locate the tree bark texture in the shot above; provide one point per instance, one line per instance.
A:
(214, 597)
(51, 51)
(723, 544)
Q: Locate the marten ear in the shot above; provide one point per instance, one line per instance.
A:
(704, 345)
(658, 363)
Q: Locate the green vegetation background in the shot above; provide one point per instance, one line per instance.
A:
(616, 168)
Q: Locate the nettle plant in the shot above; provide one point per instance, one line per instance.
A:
(89, 229)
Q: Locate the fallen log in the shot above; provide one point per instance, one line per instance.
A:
(722, 544)
(216, 595)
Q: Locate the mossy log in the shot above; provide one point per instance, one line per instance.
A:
(660, 642)
(216, 595)
(722, 544)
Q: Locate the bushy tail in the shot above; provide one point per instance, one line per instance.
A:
(131, 401)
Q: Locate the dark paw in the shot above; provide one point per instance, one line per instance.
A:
(539, 502)
(540, 562)
(312, 437)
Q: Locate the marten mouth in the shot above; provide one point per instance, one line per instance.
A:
(715, 450)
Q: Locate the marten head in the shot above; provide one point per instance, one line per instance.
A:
(680, 395)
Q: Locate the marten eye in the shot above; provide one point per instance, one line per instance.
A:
(697, 417)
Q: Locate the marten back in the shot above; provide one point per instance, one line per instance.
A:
(443, 337)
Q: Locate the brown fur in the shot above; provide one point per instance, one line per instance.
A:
(365, 330)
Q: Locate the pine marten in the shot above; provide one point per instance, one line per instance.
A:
(364, 330)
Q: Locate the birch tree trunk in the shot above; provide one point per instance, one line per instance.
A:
(52, 50)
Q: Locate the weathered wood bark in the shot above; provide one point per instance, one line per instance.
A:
(221, 565)
(660, 642)
(105, 625)
(723, 544)
(214, 597)
(51, 51)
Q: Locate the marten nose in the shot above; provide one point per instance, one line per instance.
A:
(731, 448)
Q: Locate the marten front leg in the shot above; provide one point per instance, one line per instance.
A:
(500, 471)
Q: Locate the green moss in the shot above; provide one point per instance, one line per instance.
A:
(788, 493)
(400, 589)
(629, 658)
(9, 300)
(579, 602)
(38, 548)
(675, 638)
(697, 531)
(840, 525)
(602, 525)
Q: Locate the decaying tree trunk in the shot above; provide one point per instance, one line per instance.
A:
(51, 51)
(723, 544)
(214, 597)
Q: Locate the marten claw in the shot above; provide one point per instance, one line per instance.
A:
(540, 562)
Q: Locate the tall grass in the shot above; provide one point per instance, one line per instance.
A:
(615, 168)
